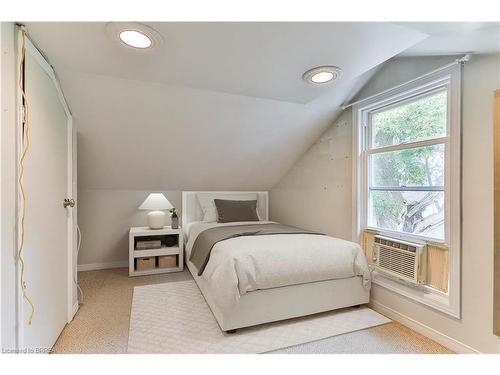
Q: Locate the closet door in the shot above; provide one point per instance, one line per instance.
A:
(46, 224)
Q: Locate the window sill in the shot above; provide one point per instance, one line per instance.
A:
(405, 236)
(424, 295)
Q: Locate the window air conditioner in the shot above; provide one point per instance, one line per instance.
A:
(400, 259)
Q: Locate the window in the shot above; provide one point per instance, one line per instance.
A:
(406, 166)
(407, 174)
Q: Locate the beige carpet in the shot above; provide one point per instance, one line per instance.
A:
(174, 318)
(101, 325)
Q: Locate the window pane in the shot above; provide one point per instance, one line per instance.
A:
(416, 212)
(421, 119)
(421, 166)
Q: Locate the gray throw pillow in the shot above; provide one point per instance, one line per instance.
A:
(230, 211)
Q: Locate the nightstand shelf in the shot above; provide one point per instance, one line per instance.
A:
(168, 258)
(156, 252)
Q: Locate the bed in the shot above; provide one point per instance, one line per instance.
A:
(238, 303)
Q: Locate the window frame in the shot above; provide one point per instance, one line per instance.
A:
(448, 78)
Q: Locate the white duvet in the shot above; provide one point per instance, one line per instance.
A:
(244, 264)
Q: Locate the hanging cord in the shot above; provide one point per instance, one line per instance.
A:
(76, 263)
(26, 144)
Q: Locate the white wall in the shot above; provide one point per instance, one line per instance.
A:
(305, 181)
(144, 135)
(105, 217)
(316, 192)
(8, 159)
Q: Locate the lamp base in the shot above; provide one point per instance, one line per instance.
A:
(156, 219)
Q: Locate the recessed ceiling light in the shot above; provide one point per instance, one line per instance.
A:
(133, 35)
(322, 75)
(136, 39)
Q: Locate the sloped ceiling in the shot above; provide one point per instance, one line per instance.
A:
(264, 60)
(218, 106)
(451, 38)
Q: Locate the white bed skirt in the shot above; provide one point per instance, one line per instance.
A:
(269, 305)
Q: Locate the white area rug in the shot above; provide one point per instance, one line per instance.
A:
(174, 318)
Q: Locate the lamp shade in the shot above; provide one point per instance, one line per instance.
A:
(156, 201)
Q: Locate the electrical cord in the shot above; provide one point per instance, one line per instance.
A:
(26, 144)
(76, 263)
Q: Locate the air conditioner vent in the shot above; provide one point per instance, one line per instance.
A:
(399, 259)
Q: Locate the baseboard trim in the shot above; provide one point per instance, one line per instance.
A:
(102, 266)
(449, 342)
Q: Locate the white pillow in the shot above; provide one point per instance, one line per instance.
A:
(207, 204)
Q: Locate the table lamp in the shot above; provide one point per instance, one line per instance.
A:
(155, 203)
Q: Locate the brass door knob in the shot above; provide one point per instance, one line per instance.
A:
(68, 202)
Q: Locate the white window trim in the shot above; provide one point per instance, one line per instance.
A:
(449, 76)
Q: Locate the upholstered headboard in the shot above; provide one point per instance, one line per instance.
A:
(191, 209)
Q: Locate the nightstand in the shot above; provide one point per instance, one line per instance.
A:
(154, 251)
